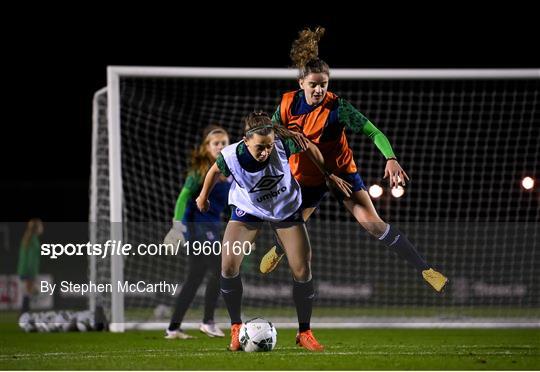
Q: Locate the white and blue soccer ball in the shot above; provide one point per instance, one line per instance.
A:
(85, 321)
(65, 321)
(37, 322)
(49, 318)
(27, 322)
(42, 321)
(258, 335)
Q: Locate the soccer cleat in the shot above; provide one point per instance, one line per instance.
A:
(307, 341)
(171, 335)
(211, 330)
(435, 279)
(270, 260)
(235, 338)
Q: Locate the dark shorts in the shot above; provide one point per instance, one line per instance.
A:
(239, 215)
(312, 196)
(27, 277)
(203, 231)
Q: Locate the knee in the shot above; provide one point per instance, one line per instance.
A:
(229, 271)
(302, 273)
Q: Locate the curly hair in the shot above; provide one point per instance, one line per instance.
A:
(305, 53)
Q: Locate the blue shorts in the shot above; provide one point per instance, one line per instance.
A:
(203, 231)
(27, 277)
(312, 196)
(239, 215)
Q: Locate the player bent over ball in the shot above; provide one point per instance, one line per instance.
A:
(264, 190)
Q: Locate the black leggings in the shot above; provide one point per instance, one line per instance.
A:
(198, 266)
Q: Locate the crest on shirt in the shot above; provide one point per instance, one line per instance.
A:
(240, 212)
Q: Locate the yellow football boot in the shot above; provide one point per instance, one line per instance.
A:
(270, 260)
(435, 279)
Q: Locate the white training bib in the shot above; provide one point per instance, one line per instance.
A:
(271, 194)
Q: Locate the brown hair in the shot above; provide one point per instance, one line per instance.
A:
(259, 122)
(305, 53)
(201, 160)
(31, 230)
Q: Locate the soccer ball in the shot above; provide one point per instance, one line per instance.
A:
(65, 321)
(85, 321)
(42, 322)
(49, 321)
(27, 322)
(258, 335)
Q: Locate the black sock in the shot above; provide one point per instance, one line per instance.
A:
(395, 239)
(25, 304)
(187, 294)
(231, 289)
(212, 289)
(303, 294)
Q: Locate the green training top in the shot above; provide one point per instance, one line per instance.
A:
(191, 186)
(28, 265)
(348, 116)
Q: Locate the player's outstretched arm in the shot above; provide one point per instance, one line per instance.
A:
(209, 182)
(300, 140)
(357, 122)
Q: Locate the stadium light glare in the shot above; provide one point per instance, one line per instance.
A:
(375, 191)
(397, 192)
(527, 183)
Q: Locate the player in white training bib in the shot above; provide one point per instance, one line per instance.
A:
(265, 191)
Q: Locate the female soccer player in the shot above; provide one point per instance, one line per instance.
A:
(201, 227)
(29, 257)
(322, 117)
(264, 190)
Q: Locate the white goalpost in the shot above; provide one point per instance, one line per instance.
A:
(465, 136)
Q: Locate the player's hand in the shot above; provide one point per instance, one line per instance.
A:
(203, 204)
(300, 140)
(395, 174)
(175, 236)
(335, 183)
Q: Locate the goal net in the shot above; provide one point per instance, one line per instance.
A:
(465, 137)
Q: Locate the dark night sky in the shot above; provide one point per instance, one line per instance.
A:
(57, 63)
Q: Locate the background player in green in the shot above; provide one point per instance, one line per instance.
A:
(191, 225)
(29, 257)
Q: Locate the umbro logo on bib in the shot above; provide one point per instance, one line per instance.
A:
(266, 183)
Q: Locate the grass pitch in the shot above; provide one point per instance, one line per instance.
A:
(356, 349)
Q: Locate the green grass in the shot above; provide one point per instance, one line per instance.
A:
(372, 349)
(447, 312)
